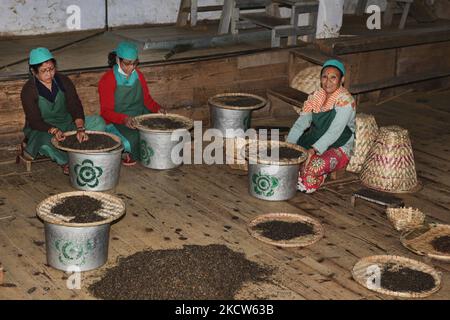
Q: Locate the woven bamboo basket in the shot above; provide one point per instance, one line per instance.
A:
(405, 218)
(390, 166)
(366, 269)
(307, 80)
(287, 217)
(365, 134)
(420, 240)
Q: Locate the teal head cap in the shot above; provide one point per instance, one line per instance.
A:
(334, 63)
(127, 50)
(39, 55)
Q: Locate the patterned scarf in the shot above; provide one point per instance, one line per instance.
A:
(317, 102)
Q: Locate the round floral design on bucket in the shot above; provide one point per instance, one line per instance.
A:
(264, 184)
(71, 253)
(88, 174)
(146, 153)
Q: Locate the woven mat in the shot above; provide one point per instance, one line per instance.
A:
(287, 217)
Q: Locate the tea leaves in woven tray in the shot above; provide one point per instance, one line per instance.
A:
(238, 101)
(193, 272)
(95, 142)
(399, 278)
(283, 230)
(82, 208)
(163, 123)
(441, 244)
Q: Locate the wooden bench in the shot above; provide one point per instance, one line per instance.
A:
(24, 158)
(287, 27)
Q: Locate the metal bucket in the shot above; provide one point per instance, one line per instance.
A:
(156, 150)
(273, 182)
(76, 248)
(95, 171)
(223, 119)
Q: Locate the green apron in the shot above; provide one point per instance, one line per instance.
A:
(55, 113)
(320, 123)
(129, 100)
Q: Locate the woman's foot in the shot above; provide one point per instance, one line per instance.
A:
(128, 161)
(65, 169)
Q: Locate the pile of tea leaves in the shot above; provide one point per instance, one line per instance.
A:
(191, 273)
(283, 230)
(95, 142)
(399, 278)
(242, 101)
(441, 244)
(82, 208)
(163, 123)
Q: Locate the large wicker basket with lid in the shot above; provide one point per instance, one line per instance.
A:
(390, 166)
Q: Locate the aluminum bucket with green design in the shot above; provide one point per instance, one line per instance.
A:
(76, 248)
(156, 150)
(273, 182)
(232, 112)
(95, 171)
(223, 119)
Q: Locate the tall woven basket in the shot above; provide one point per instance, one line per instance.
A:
(390, 166)
(365, 135)
(307, 80)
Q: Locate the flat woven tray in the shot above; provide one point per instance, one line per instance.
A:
(419, 240)
(226, 101)
(188, 123)
(287, 217)
(58, 145)
(366, 269)
(113, 208)
(251, 153)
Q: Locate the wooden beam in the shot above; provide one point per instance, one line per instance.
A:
(397, 81)
(393, 40)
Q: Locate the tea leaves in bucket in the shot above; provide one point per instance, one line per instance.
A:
(156, 123)
(95, 142)
(82, 208)
(238, 101)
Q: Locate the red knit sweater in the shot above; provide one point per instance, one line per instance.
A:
(107, 87)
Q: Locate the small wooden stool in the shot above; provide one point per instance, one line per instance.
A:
(377, 197)
(26, 159)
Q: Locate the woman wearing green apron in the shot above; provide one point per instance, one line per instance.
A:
(325, 128)
(124, 95)
(52, 107)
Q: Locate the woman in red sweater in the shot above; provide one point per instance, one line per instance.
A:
(124, 95)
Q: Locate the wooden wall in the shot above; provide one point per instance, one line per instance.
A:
(182, 88)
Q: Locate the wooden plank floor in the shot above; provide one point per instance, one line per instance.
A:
(211, 205)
